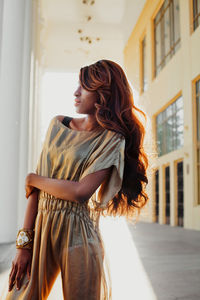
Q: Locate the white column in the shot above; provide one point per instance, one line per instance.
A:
(14, 113)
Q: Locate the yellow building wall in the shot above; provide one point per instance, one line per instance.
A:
(176, 78)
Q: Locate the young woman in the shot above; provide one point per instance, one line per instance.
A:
(88, 167)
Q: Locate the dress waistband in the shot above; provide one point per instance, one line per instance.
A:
(50, 202)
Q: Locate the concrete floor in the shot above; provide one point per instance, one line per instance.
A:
(169, 256)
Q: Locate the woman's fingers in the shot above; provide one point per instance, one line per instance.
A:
(12, 277)
(20, 265)
(19, 277)
(28, 190)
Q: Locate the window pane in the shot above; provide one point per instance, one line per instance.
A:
(179, 142)
(179, 128)
(166, 3)
(169, 132)
(176, 21)
(158, 44)
(159, 139)
(167, 34)
(194, 8)
(159, 118)
(196, 11)
(170, 127)
(198, 6)
(174, 142)
(179, 103)
(179, 117)
(157, 17)
(169, 111)
(162, 42)
(144, 64)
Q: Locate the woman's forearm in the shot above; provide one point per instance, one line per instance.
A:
(59, 188)
(31, 211)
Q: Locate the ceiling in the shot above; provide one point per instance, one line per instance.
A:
(78, 32)
(103, 11)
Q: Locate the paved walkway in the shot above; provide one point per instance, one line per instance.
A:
(147, 262)
(171, 258)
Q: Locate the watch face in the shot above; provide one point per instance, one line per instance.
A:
(22, 238)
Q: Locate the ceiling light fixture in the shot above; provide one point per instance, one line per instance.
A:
(88, 2)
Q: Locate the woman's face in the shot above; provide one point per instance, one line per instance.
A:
(85, 100)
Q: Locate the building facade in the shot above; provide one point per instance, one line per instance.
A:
(162, 62)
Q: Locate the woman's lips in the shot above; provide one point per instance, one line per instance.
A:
(77, 101)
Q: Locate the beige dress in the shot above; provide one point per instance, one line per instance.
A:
(67, 236)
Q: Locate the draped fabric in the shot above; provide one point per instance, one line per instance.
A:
(67, 236)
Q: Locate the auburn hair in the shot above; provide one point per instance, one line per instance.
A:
(115, 110)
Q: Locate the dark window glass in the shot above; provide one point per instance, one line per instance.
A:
(180, 196)
(169, 128)
(166, 33)
(167, 195)
(157, 195)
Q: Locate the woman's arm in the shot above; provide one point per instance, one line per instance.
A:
(69, 190)
(23, 257)
(31, 210)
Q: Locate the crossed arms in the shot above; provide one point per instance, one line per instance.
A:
(65, 189)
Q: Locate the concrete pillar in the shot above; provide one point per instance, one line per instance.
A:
(14, 112)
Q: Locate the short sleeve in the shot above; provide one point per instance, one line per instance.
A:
(109, 153)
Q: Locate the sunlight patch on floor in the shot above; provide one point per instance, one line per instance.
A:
(129, 279)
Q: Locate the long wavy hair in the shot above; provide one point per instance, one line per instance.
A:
(115, 110)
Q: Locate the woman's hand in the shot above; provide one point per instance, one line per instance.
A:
(20, 265)
(28, 184)
(29, 190)
(29, 178)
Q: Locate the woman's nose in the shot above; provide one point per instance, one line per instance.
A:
(77, 92)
